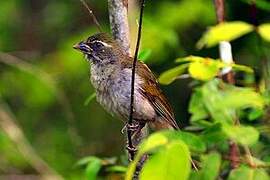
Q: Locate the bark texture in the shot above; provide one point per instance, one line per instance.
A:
(118, 13)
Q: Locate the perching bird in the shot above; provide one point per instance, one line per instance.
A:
(111, 70)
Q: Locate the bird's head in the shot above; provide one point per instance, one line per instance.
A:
(100, 48)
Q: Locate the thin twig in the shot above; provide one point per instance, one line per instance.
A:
(92, 15)
(14, 132)
(226, 56)
(129, 132)
(220, 10)
(249, 162)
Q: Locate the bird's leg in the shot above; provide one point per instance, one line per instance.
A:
(135, 128)
(138, 129)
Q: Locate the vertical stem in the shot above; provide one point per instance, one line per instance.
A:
(226, 56)
(14, 132)
(219, 5)
(225, 50)
(118, 12)
(134, 65)
(120, 30)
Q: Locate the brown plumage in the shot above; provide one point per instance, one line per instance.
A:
(111, 76)
(152, 92)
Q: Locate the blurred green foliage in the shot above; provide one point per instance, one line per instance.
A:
(47, 86)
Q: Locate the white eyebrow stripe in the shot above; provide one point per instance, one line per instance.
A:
(105, 44)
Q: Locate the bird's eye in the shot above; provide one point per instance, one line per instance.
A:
(96, 45)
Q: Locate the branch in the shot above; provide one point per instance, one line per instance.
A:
(92, 15)
(50, 83)
(134, 70)
(120, 29)
(118, 12)
(14, 132)
(225, 52)
(220, 10)
(224, 46)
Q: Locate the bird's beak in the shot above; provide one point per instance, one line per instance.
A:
(76, 46)
(82, 47)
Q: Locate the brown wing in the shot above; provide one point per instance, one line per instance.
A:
(151, 90)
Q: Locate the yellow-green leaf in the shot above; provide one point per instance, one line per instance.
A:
(245, 135)
(193, 141)
(144, 54)
(203, 70)
(191, 59)
(226, 31)
(93, 168)
(89, 98)
(170, 75)
(152, 142)
(264, 31)
(210, 167)
(244, 68)
(172, 162)
(248, 173)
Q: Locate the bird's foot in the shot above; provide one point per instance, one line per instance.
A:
(131, 127)
(132, 151)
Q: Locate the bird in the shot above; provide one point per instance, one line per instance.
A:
(110, 75)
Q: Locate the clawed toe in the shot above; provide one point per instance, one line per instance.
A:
(131, 127)
(131, 149)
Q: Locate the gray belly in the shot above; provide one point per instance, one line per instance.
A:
(115, 98)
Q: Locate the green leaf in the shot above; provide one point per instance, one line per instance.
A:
(172, 162)
(245, 135)
(262, 4)
(194, 142)
(239, 98)
(222, 100)
(247, 173)
(200, 124)
(191, 59)
(89, 99)
(258, 162)
(210, 166)
(93, 168)
(117, 169)
(152, 142)
(203, 70)
(255, 114)
(86, 160)
(213, 134)
(226, 31)
(196, 106)
(163, 142)
(264, 31)
(170, 75)
(131, 168)
(144, 54)
(213, 98)
(238, 67)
